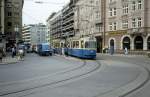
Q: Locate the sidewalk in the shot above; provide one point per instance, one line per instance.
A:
(9, 60)
(122, 55)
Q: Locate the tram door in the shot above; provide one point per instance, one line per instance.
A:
(112, 46)
(99, 44)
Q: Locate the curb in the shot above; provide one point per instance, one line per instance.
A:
(125, 90)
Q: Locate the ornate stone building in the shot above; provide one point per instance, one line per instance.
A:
(13, 21)
(89, 20)
(2, 15)
(128, 25)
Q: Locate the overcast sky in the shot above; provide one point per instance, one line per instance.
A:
(38, 13)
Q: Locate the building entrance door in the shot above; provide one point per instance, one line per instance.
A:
(99, 44)
(126, 43)
(112, 46)
(148, 43)
(138, 43)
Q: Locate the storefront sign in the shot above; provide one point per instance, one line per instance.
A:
(117, 32)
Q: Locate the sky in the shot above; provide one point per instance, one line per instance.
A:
(34, 13)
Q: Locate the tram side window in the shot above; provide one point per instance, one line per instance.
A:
(86, 45)
(77, 44)
(74, 44)
(71, 44)
(82, 44)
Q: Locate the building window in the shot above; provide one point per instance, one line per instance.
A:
(110, 26)
(133, 6)
(9, 14)
(115, 26)
(16, 13)
(115, 11)
(125, 9)
(110, 12)
(124, 24)
(134, 23)
(91, 1)
(139, 4)
(139, 22)
(9, 24)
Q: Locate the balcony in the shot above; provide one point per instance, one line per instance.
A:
(70, 12)
(68, 20)
(68, 27)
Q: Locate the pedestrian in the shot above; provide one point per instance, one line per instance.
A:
(125, 51)
(20, 53)
(13, 52)
(111, 50)
(1, 55)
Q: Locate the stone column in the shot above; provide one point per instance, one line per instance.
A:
(145, 43)
(132, 44)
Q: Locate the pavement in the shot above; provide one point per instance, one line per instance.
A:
(9, 60)
(132, 86)
(114, 78)
(121, 55)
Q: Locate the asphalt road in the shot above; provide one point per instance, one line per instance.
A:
(138, 60)
(59, 76)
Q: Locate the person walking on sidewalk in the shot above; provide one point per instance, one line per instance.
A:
(1, 55)
(13, 52)
(125, 51)
(20, 54)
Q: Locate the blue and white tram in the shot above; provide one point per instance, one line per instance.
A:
(83, 48)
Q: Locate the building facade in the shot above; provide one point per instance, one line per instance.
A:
(2, 15)
(54, 24)
(26, 34)
(78, 19)
(13, 21)
(34, 34)
(88, 20)
(61, 25)
(128, 25)
(68, 21)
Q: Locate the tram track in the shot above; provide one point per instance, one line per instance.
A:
(127, 89)
(143, 84)
(73, 68)
(85, 65)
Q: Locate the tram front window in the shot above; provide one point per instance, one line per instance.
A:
(90, 44)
